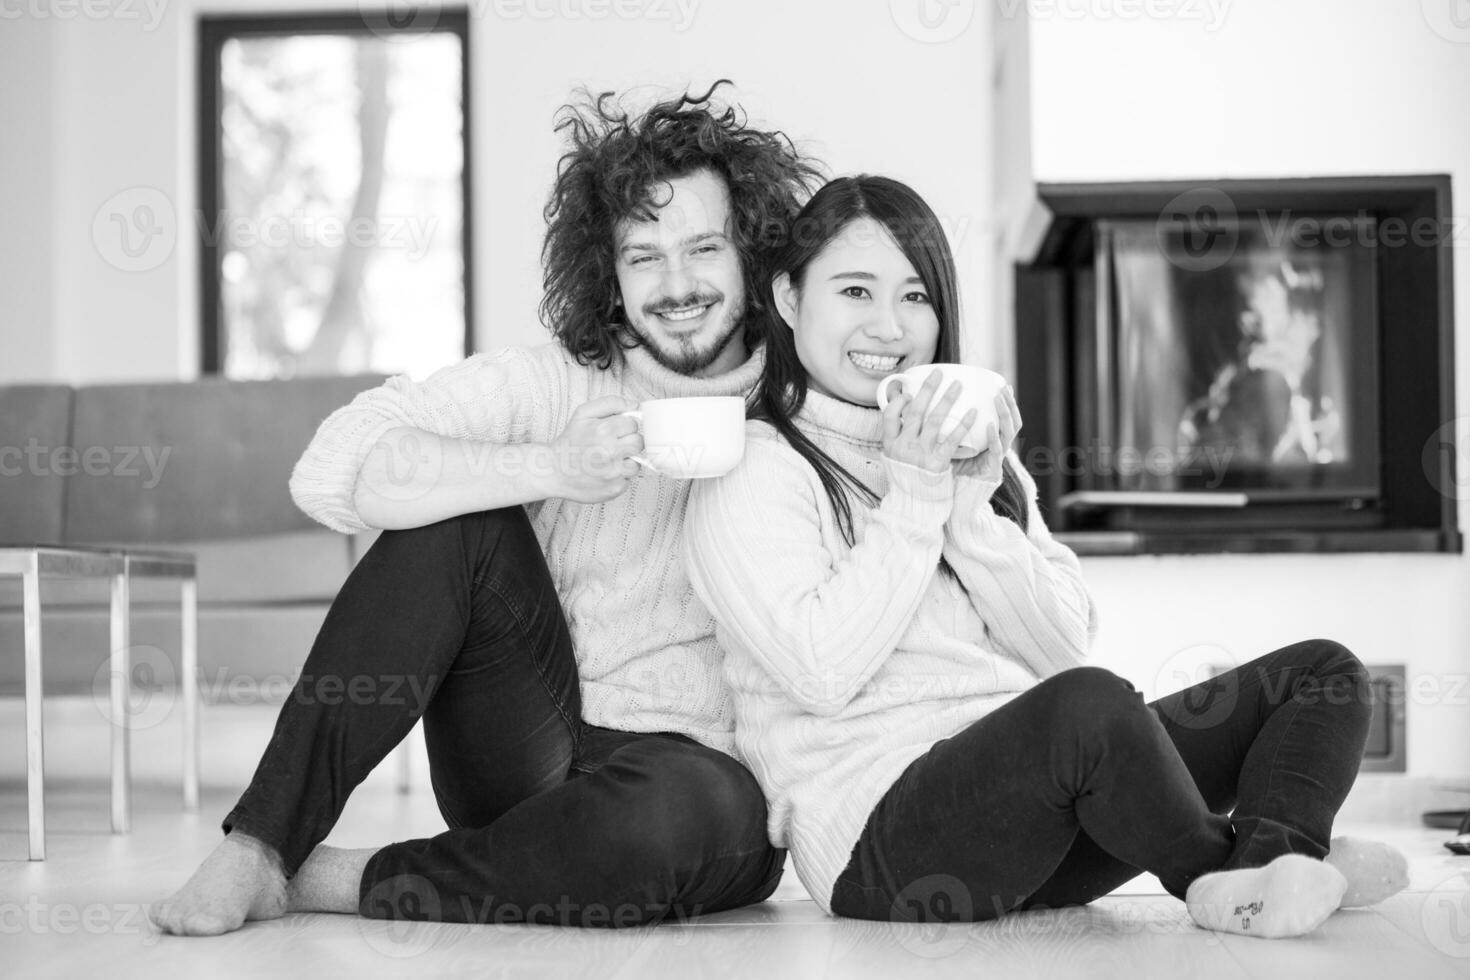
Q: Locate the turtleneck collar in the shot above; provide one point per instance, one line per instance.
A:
(856, 423)
(657, 381)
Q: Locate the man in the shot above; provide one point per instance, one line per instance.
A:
(527, 597)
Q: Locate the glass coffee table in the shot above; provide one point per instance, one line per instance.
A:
(34, 562)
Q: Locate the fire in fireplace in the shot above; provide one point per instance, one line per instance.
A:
(1242, 365)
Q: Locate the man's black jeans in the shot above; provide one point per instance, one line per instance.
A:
(551, 820)
(1075, 786)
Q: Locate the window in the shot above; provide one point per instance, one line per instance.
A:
(334, 192)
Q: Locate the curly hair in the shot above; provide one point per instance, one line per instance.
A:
(612, 171)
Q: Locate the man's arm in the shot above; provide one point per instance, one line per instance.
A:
(475, 435)
(413, 477)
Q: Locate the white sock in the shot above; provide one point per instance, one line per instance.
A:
(1292, 895)
(1373, 870)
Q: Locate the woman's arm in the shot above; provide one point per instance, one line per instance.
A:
(821, 624)
(1026, 586)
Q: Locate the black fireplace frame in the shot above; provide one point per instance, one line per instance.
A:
(1415, 509)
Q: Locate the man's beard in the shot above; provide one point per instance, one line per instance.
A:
(682, 354)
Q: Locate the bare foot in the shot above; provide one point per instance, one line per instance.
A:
(329, 880)
(1373, 870)
(1291, 896)
(240, 880)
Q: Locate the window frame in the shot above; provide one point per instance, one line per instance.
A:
(214, 31)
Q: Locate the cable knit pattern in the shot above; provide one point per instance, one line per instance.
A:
(847, 663)
(645, 647)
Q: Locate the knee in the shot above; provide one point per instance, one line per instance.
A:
(504, 524)
(1088, 687)
(466, 532)
(1331, 657)
(1091, 700)
(1339, 674)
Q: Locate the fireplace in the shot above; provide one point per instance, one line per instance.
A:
(1241, 365)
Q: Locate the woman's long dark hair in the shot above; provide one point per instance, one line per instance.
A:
(783, 385)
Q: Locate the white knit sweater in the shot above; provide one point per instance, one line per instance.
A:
(847, 663)
(645, 647)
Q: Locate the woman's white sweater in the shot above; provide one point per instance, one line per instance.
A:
(847, 663)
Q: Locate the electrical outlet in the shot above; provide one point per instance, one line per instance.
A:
(1386, 750)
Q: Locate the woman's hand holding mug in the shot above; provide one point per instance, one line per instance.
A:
(981, 386)
(913, 426)
(1000, 436)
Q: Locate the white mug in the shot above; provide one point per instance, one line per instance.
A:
(980, 386)
(691, 438)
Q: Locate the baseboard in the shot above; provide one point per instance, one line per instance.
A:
(1397, 798)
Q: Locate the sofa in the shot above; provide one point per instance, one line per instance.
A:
(200, 466)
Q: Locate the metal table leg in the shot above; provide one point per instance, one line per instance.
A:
(189, 602)
(120, 668)
(180, 565)
(35, 744)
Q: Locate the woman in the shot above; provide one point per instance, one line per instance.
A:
(904, 642)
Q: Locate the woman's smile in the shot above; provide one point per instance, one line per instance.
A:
(878, 365)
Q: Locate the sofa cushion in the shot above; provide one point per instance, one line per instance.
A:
(304, 565)
(205, 460)
(35, 423)
(247, 654)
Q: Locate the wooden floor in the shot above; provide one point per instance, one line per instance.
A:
(81, 913)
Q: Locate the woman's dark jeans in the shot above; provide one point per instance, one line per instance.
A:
(1075, 786)
(552, 820)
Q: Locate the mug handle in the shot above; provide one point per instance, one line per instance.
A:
(637, 416)
(883, 390)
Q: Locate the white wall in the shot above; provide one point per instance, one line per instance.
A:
(88, 110)
(1292, 87)
(26, 348)
(851, 87)
(1271, 88)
